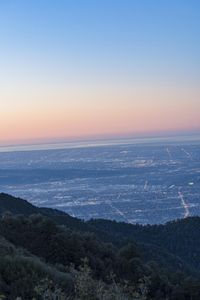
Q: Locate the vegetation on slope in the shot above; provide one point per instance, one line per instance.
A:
(46, 254)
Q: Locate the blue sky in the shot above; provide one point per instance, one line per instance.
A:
(47, 44)
(140, 38)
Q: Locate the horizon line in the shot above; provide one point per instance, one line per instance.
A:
(100, 142)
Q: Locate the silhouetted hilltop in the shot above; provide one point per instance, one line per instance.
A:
(19, 206)
(67, 257)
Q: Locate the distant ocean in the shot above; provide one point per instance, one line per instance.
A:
(96, 143)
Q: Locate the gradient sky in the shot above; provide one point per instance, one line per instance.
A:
(98, 68)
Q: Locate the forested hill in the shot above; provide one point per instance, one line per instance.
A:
(98, 259)
(180, 237)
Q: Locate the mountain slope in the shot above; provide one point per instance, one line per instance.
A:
(174, 245)
(38, 257)
(180, 237)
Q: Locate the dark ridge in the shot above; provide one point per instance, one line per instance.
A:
(46, 251)
(163, 243)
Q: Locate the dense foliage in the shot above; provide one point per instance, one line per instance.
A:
(46, 254)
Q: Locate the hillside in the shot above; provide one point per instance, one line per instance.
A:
(168, 238)
(144, 262)
(180, 237)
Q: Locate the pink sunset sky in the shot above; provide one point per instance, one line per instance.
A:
(89, 112)
(98, 70)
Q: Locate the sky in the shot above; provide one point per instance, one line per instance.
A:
(73, 69)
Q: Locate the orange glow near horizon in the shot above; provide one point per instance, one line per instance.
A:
(27, 115)
(95, 69)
